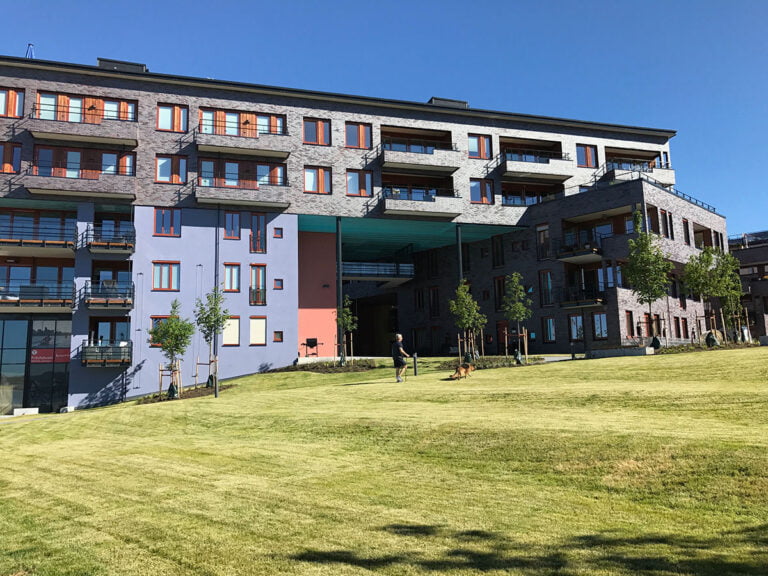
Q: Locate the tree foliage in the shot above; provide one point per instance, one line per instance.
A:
(174, 334)
(715, 274)
(516, 305)
(347, 320)
(648, 268)
(210, 316)
(466, 310)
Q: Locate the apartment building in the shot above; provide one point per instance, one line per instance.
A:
(122, 190)
(751, 250)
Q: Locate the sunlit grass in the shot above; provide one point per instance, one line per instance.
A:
(654, 465)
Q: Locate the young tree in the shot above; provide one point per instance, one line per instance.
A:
(174, 335)
(516, 305)
(715, 274)
(466, 311)
(648, 268)
(211, 317)
(347, 321)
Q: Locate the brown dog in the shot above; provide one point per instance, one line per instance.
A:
(463, 371)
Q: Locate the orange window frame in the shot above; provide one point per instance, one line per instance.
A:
(258, 233)
(176, 118)
(324, 182)
(7, 153)
(486, 190)
(154, 321)
(176, 174)
(12, 102)
(277, 284)
(258, 282)
(364, 132)
(277, 336)
(238, 332)
(175, 228)
(250, 336)
(231, 225)
(229, 269)
(173, 265)
(277, 233)
(362, 177)
(590, 155)
(484, 149)
(320, 129)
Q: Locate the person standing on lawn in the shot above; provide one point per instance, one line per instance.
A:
(398, 356)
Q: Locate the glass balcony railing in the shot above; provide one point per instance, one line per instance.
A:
(537, 156)
(416, 193)
(106, 353)
(27, 293)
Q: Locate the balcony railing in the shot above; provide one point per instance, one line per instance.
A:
(418, 194)
(99, 237)
(81, 114)
(28, 234)
(241, 183)
(635, 164)
(25, 293)
(239, 129)
(415, 145)
(79, 170)
(257, 297)
(107, 294)
(378, 269)
(576, 295)
(581, 242)
(537, 156)
(106, 353)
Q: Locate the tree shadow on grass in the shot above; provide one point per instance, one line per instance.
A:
(652, 554)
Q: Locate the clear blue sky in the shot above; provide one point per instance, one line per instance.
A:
(697, 66)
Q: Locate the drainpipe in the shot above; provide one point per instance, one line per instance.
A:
(339, 295)
(216, 283)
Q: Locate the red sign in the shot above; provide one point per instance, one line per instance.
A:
(48, 355)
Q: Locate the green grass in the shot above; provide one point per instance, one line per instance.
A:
(655, 465)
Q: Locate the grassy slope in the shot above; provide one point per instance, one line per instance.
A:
(620, 466)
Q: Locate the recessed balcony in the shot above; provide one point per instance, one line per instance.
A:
(106, 353)
(101, 239)
(30, 239)
(420, 155)
(83, 127)
(660, 171)
(580, 251)
(70, 180)
(417, 201)
(541, 165)
(577, 297)
(107, 295)
(243, 139)
(20, 296)
(243, 193)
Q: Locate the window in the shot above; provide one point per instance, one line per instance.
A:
(684, 322)
(664, 223)
(600, 325)
(277, 233)
(576, 327)
(258, 233)
(239, 173)
(359, 183)
(548, 327)
(434, 302)
(232, 225)
(171, 169)
(84, 163)
(258, 330)
(418, 299)
(481, 191)
(154, 322)
(172, 117)
(498, 292)
(277, 336)
(677, 327)
(278, 285)
(270, 124)
(232, 123)
(358, 135)
(271, 174)
(317, 180)
(545, 288)
(317, 132)
(231, 334)
(10, 158)
(11, 103)
(497, 251)
(629, 224)
(165, 275)
(480, 146)
(167, 222)
(258, 295)
(542, 241)
(630, 321)
(231, 277)
(586, 156)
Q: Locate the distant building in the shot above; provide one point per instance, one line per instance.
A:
(123, 189)
(752, 252)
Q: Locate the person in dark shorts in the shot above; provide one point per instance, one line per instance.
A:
(398, 356)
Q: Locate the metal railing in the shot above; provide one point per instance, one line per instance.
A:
(81, 114)
(580, 242)
(415, 145)
(416, 193)
(79, 170)
(536, 156)
(241, 183)
(239, 129)
(378, 269)
(736, 241)
(257, 296)
(38, 234)
(635, 164)
(98, 235)
(26, 293)
(107, 294)
(106, 352)
(572, 294)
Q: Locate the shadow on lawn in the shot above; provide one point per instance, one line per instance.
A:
(651, 554)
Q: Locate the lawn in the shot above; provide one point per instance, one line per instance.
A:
(654, 465)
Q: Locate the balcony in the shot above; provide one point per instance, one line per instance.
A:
(578, 297)
(575, 250)
(258, 141)
(20, 296)
(40, 240)
(64, 180)
(415, 201)
(107, 295)
(106, 354)
(540, 165)
(243, 193)
(660, 171)
(257, 296)
(418, 155)
(101, 239)
(91, 128)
